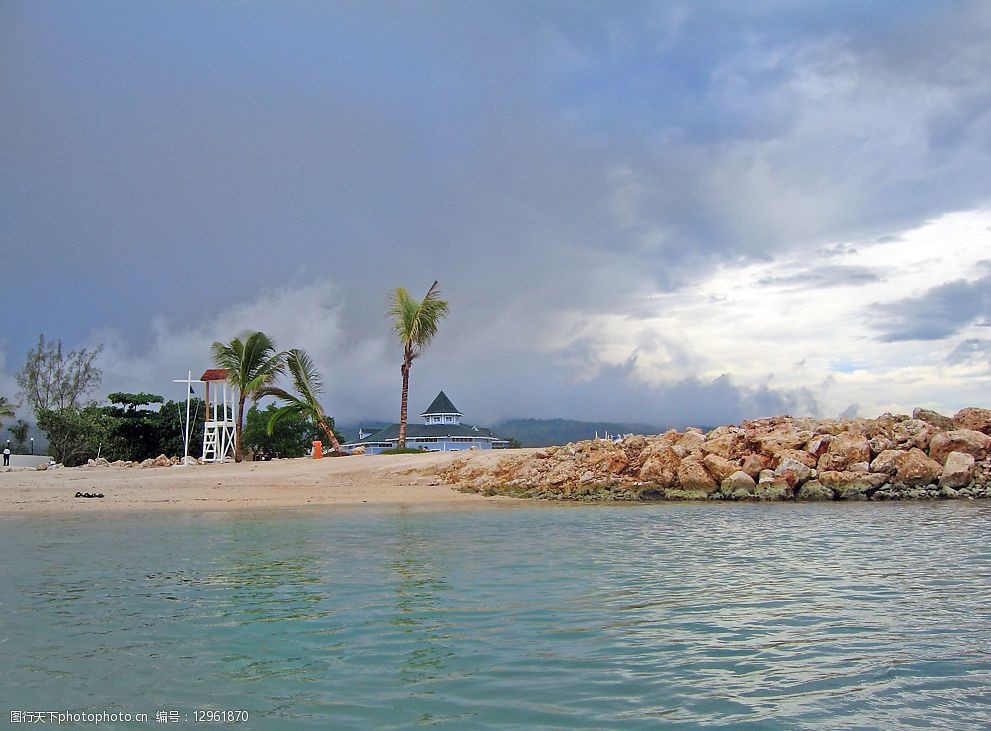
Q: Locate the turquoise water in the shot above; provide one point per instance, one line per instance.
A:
(666, 616)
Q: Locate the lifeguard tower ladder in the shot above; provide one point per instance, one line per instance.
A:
(220, 430)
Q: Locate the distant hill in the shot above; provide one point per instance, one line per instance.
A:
(547, 432)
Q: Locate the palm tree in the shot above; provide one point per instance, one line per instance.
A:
(415, 324)
(20, 433)
(252, 363)
(6, 408)
(307, 384)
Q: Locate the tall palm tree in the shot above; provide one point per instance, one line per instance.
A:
(415, 324)
(307, 384)
(252, 363)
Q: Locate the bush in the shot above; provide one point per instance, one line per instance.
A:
(405, 450)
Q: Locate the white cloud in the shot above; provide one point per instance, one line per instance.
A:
(763, 324)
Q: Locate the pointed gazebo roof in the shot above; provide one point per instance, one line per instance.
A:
(441, 405)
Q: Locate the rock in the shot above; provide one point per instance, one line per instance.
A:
(852, 485)
(886, 462)
(691, 441)
(844, 450)
(913, 433)
(949, 493)
(766, 476)
(958, 470)
(661, 468)
(723, 442)
(972, 442)
(41, 467)
(719, 467)
(694, 477)
(360, 449)
(161, 461)
(737, 481)
(914, 468)
(774, 489)
(859, 467)
(797, 455)
(793, 471)
(879, 444)
(754, 464)
(973, 419)
(814, 491)
(818, 446)
(943, 423)
(148, 463)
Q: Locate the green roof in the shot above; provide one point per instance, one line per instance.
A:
(442, 405)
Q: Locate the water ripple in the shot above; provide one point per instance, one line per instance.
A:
(681, 616)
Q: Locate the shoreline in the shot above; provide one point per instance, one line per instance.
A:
(412, 481)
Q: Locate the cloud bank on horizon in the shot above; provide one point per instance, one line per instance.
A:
(664, 212)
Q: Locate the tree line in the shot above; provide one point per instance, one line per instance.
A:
(58, 385)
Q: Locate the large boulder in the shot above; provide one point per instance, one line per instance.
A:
(725, 442)
(818, 446)
(754, 464)
(969, 441)
(851, 485)
(694, 477)
(718, 467)
(738, 483)
(797, 455)
(661, 467)
(844, 450)
(814, 491)
(777, 488)
(958, 470)
(939, 421)
(974, 419)
(692, 440)
(886, 462)
(913, 433)
(793, 471)
(914, 468)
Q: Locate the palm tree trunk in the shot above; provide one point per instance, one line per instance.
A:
(238, 456)
(401, 444)
(331, 436)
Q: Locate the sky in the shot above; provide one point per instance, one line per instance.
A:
(672, 212)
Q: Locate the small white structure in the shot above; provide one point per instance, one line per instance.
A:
(220, 430)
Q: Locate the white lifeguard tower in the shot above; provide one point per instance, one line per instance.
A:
(220, 429)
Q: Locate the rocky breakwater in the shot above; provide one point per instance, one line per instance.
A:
(894, 457)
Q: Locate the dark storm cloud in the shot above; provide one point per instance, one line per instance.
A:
(936, 313)
(169, 159)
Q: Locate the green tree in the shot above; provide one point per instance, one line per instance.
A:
(54, 379)
(20, 433)
(6, 409)
(133, 428)
(290, 436)
(414, 323)
(168, 425)
(252, 363)
(307, 384)
(55, 383)
(75, 434)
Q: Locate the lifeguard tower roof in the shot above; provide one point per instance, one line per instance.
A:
(214, 374)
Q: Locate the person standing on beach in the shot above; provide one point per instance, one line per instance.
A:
(6, 456)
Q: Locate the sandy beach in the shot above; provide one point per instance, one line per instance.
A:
(360, 480)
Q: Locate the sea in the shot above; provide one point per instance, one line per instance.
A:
(509, 616)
